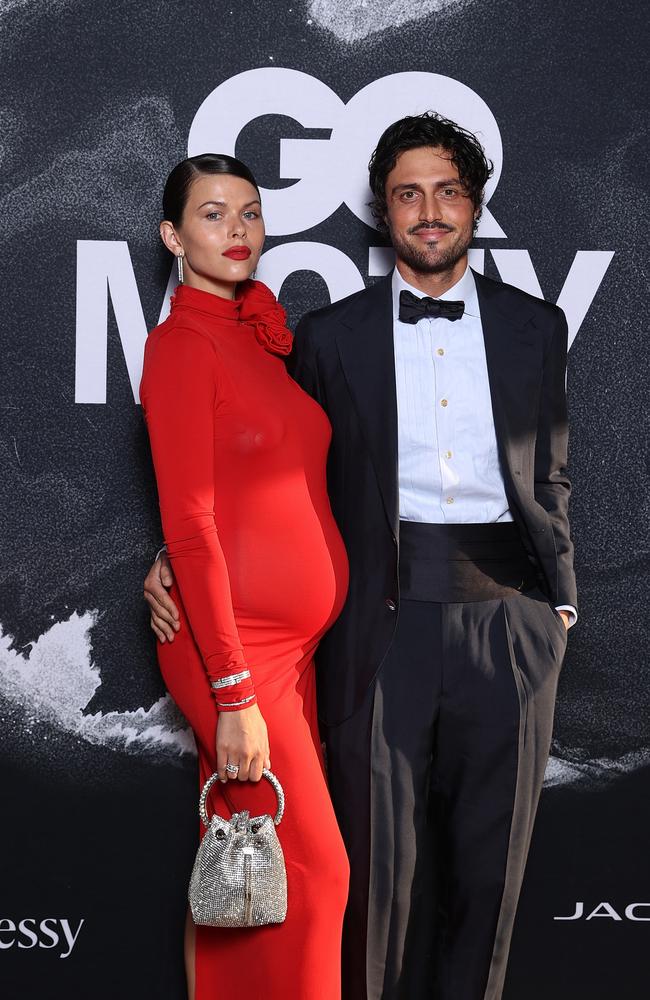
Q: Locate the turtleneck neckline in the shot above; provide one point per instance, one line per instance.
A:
(256, 307)
(207, 302)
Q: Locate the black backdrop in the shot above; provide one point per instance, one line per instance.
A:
(98, 774)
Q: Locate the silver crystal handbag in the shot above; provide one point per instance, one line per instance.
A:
(239, 878)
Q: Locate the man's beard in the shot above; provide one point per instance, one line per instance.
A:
(424, 260)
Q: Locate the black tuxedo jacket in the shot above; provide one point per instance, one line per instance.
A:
(343, 357)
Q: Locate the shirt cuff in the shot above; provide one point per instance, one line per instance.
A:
(573, 614)
(157, 555)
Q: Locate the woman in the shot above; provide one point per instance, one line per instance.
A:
(260, 571)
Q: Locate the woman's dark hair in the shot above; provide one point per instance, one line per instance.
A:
(180, 180)
(428, 129)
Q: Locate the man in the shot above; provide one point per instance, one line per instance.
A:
(446, 394)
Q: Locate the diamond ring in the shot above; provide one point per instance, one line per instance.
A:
(232, 768)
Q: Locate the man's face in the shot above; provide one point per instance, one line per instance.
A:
(429, 214)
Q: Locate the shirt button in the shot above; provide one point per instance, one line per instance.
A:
(443, 402)
(447, 454)
(390, 604)
(440, 351)
(450, 499)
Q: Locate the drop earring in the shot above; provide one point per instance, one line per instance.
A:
(254, 271)
(179, 261)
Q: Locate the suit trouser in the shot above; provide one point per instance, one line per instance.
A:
(435, 782)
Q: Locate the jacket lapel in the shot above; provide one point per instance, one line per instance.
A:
(365, 345)
(514, 362)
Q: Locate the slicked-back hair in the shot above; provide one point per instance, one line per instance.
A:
(181, 178)
(428, 129)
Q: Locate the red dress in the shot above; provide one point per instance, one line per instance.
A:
(260, 572)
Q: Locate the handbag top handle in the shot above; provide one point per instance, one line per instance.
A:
(270, 777)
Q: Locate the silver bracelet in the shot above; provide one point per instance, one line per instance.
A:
(236, 704)
(225, 682)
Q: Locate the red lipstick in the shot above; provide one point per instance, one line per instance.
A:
(238, 253)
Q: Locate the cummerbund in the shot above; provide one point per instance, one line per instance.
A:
(449, 563)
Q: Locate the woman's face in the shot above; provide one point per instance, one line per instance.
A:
(220, 234)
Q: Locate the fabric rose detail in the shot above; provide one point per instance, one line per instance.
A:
(261, 310)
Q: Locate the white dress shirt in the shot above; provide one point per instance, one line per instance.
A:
(447, 448)
(448, 461)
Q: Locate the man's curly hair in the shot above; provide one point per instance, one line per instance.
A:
(428, 129)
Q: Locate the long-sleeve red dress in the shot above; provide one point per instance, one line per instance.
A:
(260, 572)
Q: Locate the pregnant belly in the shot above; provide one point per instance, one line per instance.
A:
(290, 574)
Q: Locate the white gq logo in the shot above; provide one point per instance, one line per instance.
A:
(335, 171)
(330, 172)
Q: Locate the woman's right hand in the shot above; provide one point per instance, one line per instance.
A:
(242, 739)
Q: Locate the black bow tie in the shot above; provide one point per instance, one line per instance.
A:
(412, 308)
